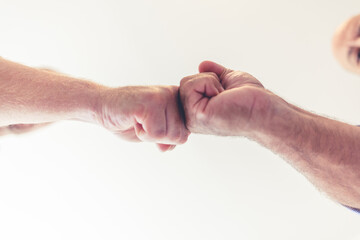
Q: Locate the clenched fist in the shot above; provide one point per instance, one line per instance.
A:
(150, 113)
(221, 101)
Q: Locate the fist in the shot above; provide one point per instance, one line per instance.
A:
(220, 101)
(144, 114)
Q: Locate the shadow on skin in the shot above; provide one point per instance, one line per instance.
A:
(20, 128)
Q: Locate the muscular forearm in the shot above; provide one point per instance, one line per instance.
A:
(29, 95)
(326, 151)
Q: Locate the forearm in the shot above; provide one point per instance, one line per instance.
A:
(29, 95)
(326, 151)
(229, 102)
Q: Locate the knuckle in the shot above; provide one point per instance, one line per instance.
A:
(167, 92)
(173, 90)
(184, 80)
(189, 79)
(184, 137)
(176, 137)
(159, 133)
(180, 136)
(212, 74)
(160, 98)
(246, 75)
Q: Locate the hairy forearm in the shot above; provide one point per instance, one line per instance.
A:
(29, 95)
(326, 151)
(222, 101)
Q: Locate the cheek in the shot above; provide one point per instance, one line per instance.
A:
(357, 70)
(342, 57)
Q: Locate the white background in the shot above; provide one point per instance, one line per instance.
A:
(75, 180)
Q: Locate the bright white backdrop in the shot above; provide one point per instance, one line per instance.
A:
(77, 181)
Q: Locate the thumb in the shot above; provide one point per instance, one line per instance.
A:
(208, 66)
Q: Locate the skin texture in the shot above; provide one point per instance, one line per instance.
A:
(346, 44)
(144, 114)
(30, 96)
(221, 101)
(23, 128)
(217, 101)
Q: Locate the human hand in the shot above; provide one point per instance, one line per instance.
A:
(144, 114)
(221, 101)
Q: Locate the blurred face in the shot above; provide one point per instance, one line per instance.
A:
(346, 44)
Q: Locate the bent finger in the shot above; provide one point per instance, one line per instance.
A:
(165, 147)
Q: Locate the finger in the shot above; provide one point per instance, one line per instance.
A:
(165, 147)
(209, 66)
(188, 79)
(185, 131)
(204, 87)
(128, 135)
(207, 84)
(196, 93)
(153, 127)
(177, 133)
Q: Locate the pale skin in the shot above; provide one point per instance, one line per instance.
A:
(217, 101)
(31, 96)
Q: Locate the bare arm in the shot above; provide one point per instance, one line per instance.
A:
(29, 95)
(225, 102)
(326, 151)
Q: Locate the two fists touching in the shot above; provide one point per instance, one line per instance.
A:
(216, 101)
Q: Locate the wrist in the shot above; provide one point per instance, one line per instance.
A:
(275, 120)
(116, 107)
(92, 100)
